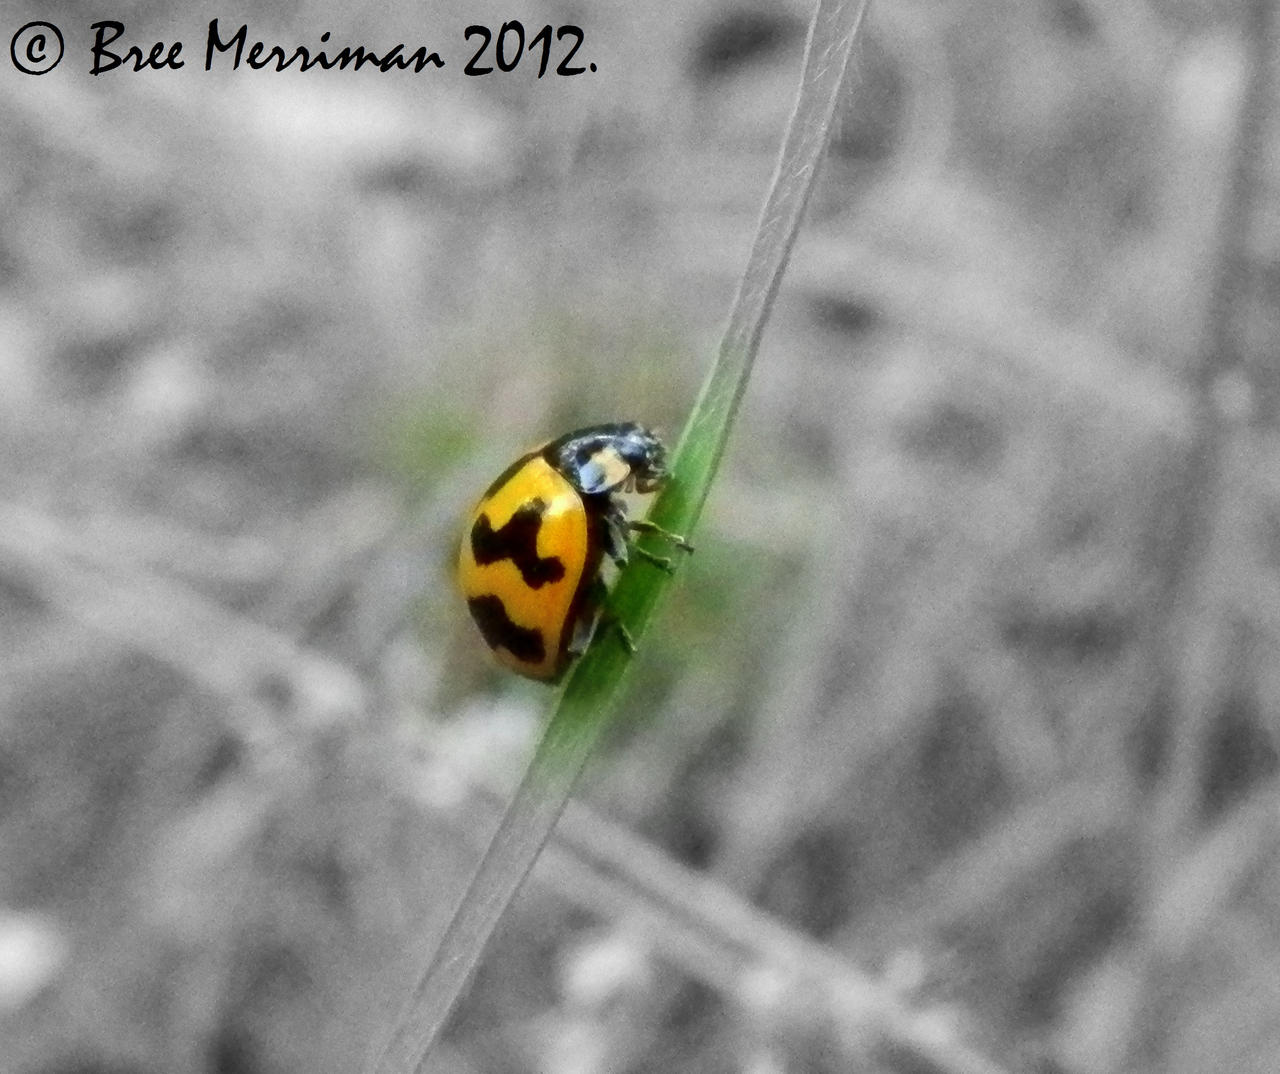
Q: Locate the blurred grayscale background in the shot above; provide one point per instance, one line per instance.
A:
(967, 704)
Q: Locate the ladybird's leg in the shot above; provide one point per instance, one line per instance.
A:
(624, 636)
(608, 619)
(583, 631)
(613, 530)
(590, 614)
(644, 526)
(599, 617)
(616, 529)
(596, 616)
(663, 563)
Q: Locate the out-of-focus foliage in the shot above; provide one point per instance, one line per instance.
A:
(971, 678)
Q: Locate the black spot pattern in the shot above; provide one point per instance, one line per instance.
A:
(491, 617)
(517, 541)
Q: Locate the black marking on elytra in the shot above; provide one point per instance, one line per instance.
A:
(517, 541)
(499, 631)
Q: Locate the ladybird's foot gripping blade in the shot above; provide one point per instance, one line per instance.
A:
(605, 621)
(658, 531)
(663, 563)
(624, 636)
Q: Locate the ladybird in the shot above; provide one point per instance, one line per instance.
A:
(532, 559)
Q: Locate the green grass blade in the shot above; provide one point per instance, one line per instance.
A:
(697, 456)
(588, 700)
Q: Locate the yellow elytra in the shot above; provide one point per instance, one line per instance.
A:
(532, 553)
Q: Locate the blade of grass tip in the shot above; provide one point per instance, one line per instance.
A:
(587, 701)
(701, 447)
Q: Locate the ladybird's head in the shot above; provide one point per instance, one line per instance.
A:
(610, 458)
(645, 454)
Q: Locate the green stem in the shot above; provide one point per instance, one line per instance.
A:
(589, 699)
